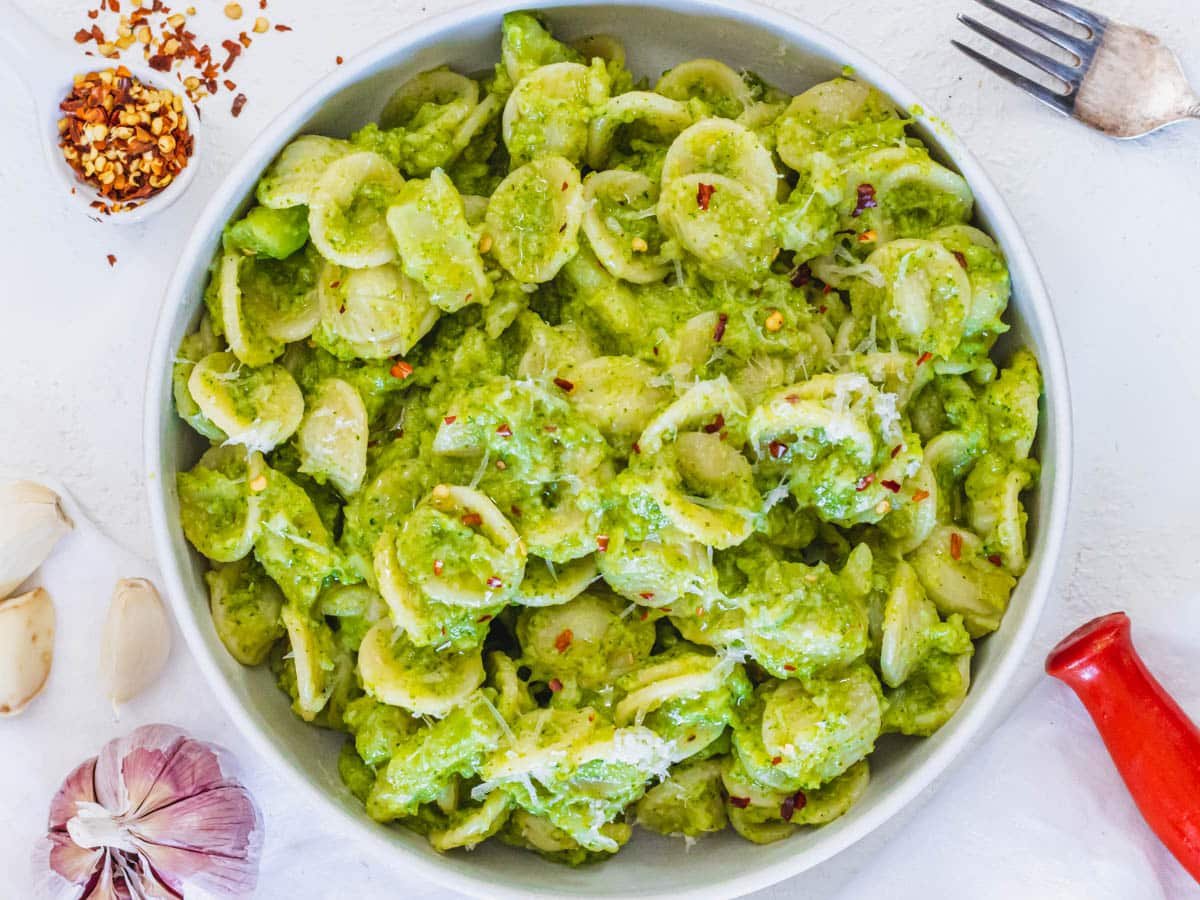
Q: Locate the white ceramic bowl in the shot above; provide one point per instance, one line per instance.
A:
(657, 34)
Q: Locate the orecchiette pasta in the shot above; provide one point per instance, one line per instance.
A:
(595, 454)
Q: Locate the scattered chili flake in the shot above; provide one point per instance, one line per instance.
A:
(438, 566)
(739, 802)
(636, 448)
(602, 543)
(645, 614)
(486, 617)
(563, 641)
(801, 275)
(504, 431)
(565, 385)
(793, 399)
(666, 609)
(822, 309)
(788, 807)
(555, 685)
(339, 60)
(865, 482)
(955, 545)
(867, 236)
(238, 103)
(704, 194)
(516, 510)
(961, 257)
(550, 428)
(866, 200)
(647, 595)
(82, 36)
(776, 760)
(893, 486)
(826, 289)
(493, 582)
(112, 260)
(719, 328)
(449, 420)
(283, 27)
(472, 520)
(777, 449)
(924, 358)
(788, 667)
(401, 369)
(918, 496)
(229, 85)
(995, 559)
(715, 425)
(897, 450)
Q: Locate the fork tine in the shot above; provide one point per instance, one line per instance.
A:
(1068, 75)
(1086, 17)
(1079, 47)
(1063, 103)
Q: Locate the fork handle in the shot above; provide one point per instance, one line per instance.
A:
(1155, 746)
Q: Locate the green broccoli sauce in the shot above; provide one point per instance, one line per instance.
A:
(710, 534)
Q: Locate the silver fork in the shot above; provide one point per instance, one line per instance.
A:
(1124, 81)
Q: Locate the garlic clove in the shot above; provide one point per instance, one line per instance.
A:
(26, 648)
(31, 522)
(136, 640)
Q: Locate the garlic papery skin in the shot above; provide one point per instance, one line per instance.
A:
(26, 648)
(157, 814)
(136, 640)
(32, 521)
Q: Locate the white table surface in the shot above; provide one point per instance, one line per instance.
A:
(1114, 228)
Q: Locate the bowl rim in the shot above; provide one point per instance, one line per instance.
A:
(1035, 303)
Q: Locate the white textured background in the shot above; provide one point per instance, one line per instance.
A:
(1036, 810)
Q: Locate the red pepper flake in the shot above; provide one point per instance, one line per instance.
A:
(866, 200)
(893, 486)
(239, 102)
(788, 667)
(493, 582)
(82, 36)
(555, 685)
(666, 609)
(602, 543)
(504, 431)
(865, 482)
(438, 566)
(715, 425)
(112, 260)
(486, 617)
(472, 520)
(401, 369)
(93, 13)
(955, 545)
(565, 385)
(647, 595)
(704, 194)
(283, 27)
(339, 60)
(776, 760)
(801, 276)
(961, 257)
(516, 510)
(918, 496)
(897, 450)
(739, 802)
(229, 85)
(645, 614)
(777, 449)
(826, 289)
(995, 559)
(719, 329)
(449, 420)
(788, 807)
(822, 309)
(636, 448)
(793, 399)
(924, 358)
(563, 641)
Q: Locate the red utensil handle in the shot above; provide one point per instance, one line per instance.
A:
(1155, 745)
